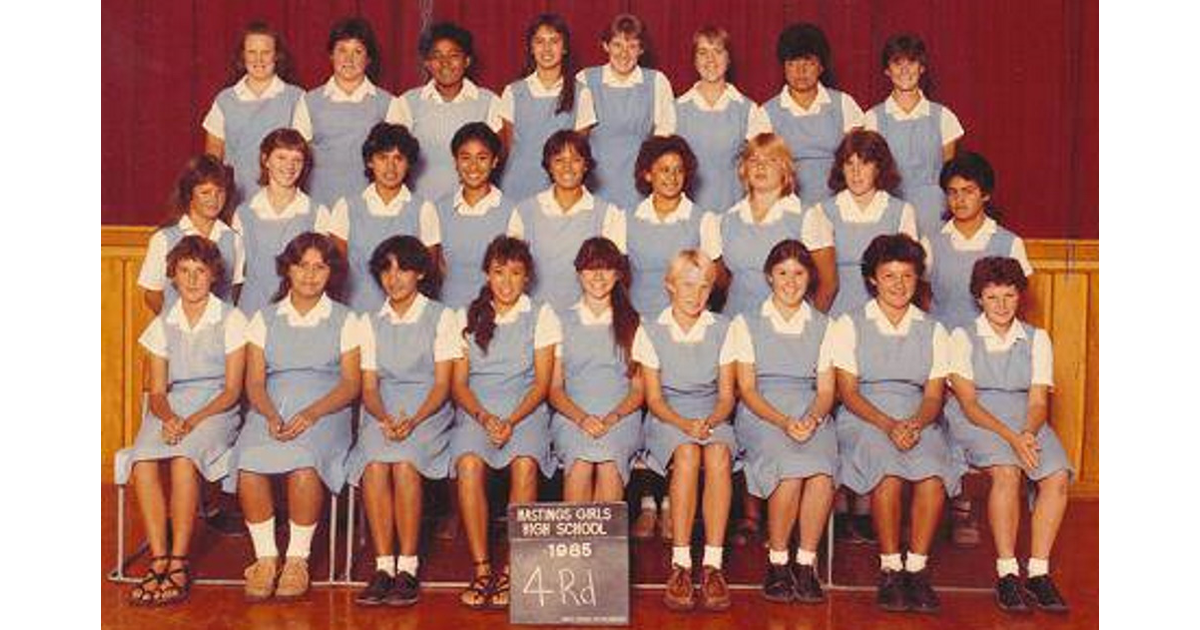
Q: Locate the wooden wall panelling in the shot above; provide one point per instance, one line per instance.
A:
(112, 360)
(1069, 334)
(1090, 475)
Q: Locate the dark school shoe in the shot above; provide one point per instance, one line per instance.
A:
(777, 585)
(921, 597)
(1045, 595)
(891, 594)
(806, 585)
(377, 588)
(1009, 595)
(406, 590)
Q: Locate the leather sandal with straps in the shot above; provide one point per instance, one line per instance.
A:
(171, 591)
(478, 594)
(141, 595)
(500, 590)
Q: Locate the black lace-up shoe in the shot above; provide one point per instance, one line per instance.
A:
(921, 597)
(1009, 596)
(1042, 592)
(891, 596)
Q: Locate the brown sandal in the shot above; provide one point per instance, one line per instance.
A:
(141, 595)
(478, 594)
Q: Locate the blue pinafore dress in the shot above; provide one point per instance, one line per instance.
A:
(716, 137)
(595, 378)
(892, 372)
(850, 241)
(339, 130)
(744, 248)
(225, 244)
(625, 118)
(813, 141)
(405, 364)
(916, 146)
(554, 241)
(534, 121)
(652, 247)
(500, 378)
(303, 365)
(246, 124)
(196, 375)
(950, 276)
(265, 239)
(688, 373)
(465, 238)
(785, 372)
(1002, 382)
(434, 124)
(367, 231)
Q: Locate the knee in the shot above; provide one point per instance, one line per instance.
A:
(470, 469)
(717, 460)
(524, 469)
(1005, 478)
(686, 459)
(1055, 485)
(819, 483)
(407, 472)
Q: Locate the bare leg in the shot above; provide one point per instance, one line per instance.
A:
(577, 484)
(185, 497)
(524, 487)
(305, 493)
(254, 495)
(1004, 508)
(473, 509)
(885, 512)
(409, 486)
(718, 492)
(816, 499)
(1048, 510)
(685, 477)
(782, 509)
(147, 487)
(608, 484)
(929, 497)
(377, 499)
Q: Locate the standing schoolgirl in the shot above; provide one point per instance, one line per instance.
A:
(716, 119)
(666, 221)
(275, 214)
(623, 104)
(261, 99)
(337, 116)
(199, 198)
(863, 206)
(595, 389)
(196, 364)
(769, 213)
(922, 134)
(556, 221)
(971, 233)
(302, 373)
(687, 363)
(436, 110)
(542, 102)
(386, 207)
(501, 420)
(808, 113)
(786, 382)
(404, 433)
(473, 215)
(1001, 372)
(892, 360)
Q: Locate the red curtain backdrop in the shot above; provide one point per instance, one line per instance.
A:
(1022, 75)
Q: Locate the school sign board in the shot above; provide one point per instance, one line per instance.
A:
(569, 564)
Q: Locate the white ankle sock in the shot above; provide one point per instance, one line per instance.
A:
(778, 558)
(407, 564)
(387, 564)
(300, 539)
(1007, 566)
(648, 503)
(806, 558)
(263, 536)
(665, 506)
(712, 556)
(1038, 566)
(890, 562)
(682, 556)
(915, 562)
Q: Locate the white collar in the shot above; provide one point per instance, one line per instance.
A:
(377, 207)
(469, 92)
(992, 340)
(790, 104)
(794, 326)
(695, 335)
(322, 310)
(550, 207)
(645, 211)
(977, 241)
(523, 305)
(260, 203)
(893, 108)
(242, 90)
(787, 203)
(481, 207)
(873, 312)
(335, 93)
(609, 77)
(210, 316)
(731, 94)
(588, 318)
(850, 212)
(537, 90)
(411, 315)
(189, 229)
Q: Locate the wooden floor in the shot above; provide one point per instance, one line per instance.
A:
(1075, 565)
